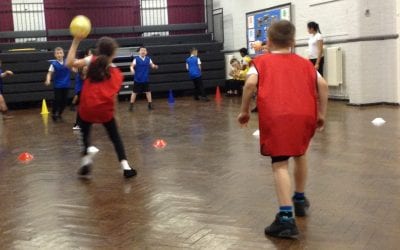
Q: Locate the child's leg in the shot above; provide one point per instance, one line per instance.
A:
(301, 203)
(63, 101)
(196, 89)
(149, 100)
(74, 100)
(282, 182)
(133, 97)
(201, 87)
(87, 159)
(148, 96)
(56, 103)
(3, 105)
(85, 132)
(300, 173)
(4, 108)
(284, 224)
(114, 136)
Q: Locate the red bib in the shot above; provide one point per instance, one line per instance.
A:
(97, 99)
(287, 104)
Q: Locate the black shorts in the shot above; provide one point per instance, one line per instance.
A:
(279, 158)
(141, 88)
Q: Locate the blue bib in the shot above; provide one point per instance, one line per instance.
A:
(62, 75)
(194, 70)
(142, 70)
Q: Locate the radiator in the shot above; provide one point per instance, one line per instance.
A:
(334, 66)
(228, 66)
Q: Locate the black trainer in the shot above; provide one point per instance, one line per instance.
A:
(130, 107)
(282, 228)
(150, 106)
(301, 207)
(85, 170)
(204, 99)
(130, 173)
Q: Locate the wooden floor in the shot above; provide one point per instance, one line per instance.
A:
(208, 189)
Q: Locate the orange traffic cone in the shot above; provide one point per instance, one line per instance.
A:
(218, 94)
(159, 144)
(25, 157)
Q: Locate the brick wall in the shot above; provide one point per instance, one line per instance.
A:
(371, 72)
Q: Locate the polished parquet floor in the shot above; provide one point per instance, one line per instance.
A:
(207, 189)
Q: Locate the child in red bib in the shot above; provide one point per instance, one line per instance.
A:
(97, 100)
(291, 100)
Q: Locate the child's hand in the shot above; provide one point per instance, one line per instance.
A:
(155, 66)
(320, 122)
(243, 119)
(9, 72)
(47, 83)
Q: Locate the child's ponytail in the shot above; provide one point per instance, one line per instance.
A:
(99, 68)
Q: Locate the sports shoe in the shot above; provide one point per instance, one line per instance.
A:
(150, 106)
(130, 107)
(85, 170)
(130, 173)
(86, 165)
(301, 207)
(76, 127)
(282, 228)
(204, 99)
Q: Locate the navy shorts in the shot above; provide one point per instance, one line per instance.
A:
(141, 88)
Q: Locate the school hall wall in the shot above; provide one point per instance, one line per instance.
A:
(371, 68)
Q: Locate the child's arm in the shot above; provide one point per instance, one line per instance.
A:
(322, 102)
(153, 66)
(187, 67)
(199, 63)
(48, 78)
(249, 88)
(132, 68)
(6, 73)
(71, 61)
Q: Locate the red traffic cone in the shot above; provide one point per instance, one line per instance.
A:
(218, 94)
(159, 143)
(25, 157)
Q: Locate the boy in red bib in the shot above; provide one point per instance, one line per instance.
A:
(97, 101)
(292, 100)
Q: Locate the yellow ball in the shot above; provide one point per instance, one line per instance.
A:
(80, 26)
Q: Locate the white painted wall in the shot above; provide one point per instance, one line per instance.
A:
(371, 72)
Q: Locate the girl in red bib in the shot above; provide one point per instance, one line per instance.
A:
(291, 100)
(97, 100)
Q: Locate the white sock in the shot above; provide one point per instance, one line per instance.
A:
(92, 150)
(125, 165)
(86, 160)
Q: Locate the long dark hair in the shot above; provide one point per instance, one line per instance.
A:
(314, 26)
(98, 69)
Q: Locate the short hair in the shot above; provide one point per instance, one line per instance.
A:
(193, 49)
(282, 33)
(233, 60)
(141, 47)
(58, 48)
(244, 51)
